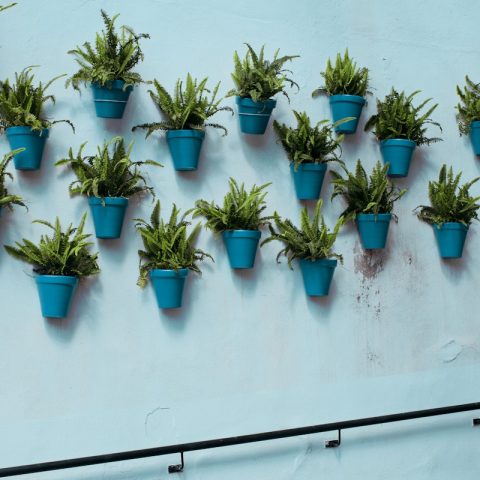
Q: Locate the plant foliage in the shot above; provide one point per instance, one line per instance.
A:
(397, 117)
(312, 241)
(307, 143)
(188, 108)
(109, 173)
(449, 202)
(344, 78)
(6, 199)
(63, 253)
(258, 78)
(112, 56)
(366, 194)
(21, 103)
(468, 109)
(241, 209)
(167, 245)
(4, 7)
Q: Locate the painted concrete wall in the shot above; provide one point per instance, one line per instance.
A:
(248, 352)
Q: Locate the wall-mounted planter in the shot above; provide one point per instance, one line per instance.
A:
(241, 247)
(317, 276)
(373, 229)
(33, 141)
(475, 136)
(254, 116)
(308, 179)
(343, 106)
(450, 239)
(185, 146)
(108, 217)
(168, 286)
(397, 152)
(110, 100)
(56, 293)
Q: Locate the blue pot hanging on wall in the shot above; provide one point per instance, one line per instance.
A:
(343, 106)
(397, 152)
(168, 286)
(254, 116)
(108, 214)
(475, 136)
(56, 293)
(450, 239)
(111, 99)
(373, 229)
(33, 141)
(308, 179)
(317, 275)
(241, 247)
(185, 146)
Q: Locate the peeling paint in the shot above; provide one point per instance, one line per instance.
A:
(450, 351)
(367, 262)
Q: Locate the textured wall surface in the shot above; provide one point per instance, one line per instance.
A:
(249, 351)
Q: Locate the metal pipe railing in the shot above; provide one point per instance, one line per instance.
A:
(237, 440)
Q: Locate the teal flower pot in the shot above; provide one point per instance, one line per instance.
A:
(308, 179)
(168, 286)
(241, 247)
(475, 136)
(254, 116)
(450, 239)
(373, 229)
(56, 293)
(111, 99)
(343, 106)
(33, 141)
(185, 146)
(397, 152)
(108, 218)
(317, 276)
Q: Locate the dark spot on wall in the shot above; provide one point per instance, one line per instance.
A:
(367, 262)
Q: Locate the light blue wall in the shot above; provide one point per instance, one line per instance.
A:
(248, 352)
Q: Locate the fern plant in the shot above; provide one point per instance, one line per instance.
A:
(312, 241)
(4, 7)
(344, 78)
(468, 109)
(112, 56)
(307, 143)
(189, 108)
(167, 245)
(397, 117)
(366, 194)
(63, 253)
(7, 199)
(260, 79)
(449, 201)
(109, 173)
(241, 209)
(22, 102)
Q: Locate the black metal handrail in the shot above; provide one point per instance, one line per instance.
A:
(238, 440)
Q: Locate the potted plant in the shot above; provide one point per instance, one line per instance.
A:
(186, 113)
(400, 127)
(451, 211)
(311, 245)
(370, 202)
(309, 149)
(107, 67)
(59, 261)
(22, 119)
(346, 86)
(468, 112)
(168, 254)
(238, 220)
(7, 199)
(257, 80)
(108, 179)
